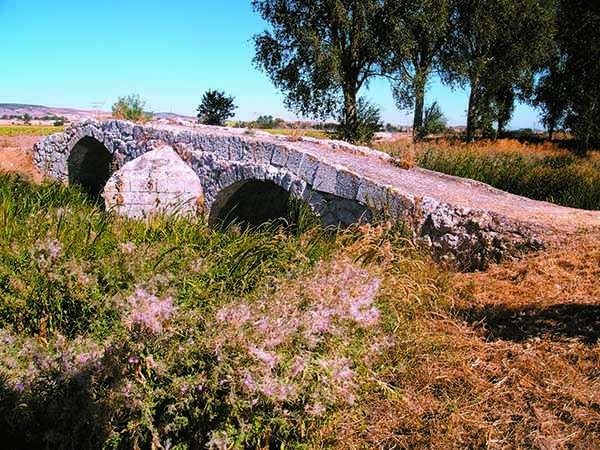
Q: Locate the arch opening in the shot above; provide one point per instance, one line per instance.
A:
(251, 203)
(89, 166)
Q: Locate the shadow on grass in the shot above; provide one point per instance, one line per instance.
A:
(562, 321)
(60, 412)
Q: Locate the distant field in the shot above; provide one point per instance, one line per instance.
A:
(317, 134)
(24, 130)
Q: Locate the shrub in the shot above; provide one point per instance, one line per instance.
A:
(361, 130)
(131, 108)
(434, 121)
(216, 108)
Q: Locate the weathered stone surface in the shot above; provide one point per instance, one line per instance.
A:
(155, 166)
(157, 182)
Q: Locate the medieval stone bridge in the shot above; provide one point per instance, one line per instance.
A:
(230, 173)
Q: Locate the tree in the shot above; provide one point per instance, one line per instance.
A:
(578, 41)
(496, 48)
(551, 96)
(131, 108)
(420, 31)
(267, 122)
(27, 118)
(320, 53)
(434, 121)
(216, 108)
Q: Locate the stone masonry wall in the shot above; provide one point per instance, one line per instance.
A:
(470, 238)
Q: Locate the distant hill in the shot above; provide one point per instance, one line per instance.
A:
(38, 111)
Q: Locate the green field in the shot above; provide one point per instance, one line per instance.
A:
(25, 130)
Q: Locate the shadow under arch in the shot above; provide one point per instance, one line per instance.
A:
(89, 165)
(250, 203)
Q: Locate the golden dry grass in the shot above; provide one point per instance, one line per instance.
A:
(512, 362)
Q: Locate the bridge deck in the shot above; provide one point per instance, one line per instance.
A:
(418, 182)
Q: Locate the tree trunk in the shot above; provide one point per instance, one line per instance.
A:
(550, 133)
(419, 108)
(350, 110)
(471, 111)
(583, 145)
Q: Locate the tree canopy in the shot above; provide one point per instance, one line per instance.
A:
(216, 108)
(320, 53)
(420, 30)
(495, 48)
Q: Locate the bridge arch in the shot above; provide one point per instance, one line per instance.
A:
(89, 165)
(250, 202)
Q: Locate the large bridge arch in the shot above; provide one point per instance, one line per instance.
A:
(89, 165)
(252, 202)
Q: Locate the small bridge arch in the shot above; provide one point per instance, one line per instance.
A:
(89, 165)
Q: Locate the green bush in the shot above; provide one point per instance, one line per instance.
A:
(362, 129)
(131, 108)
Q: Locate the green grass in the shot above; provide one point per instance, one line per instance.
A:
(317, 134)
(562, 179)
(25, 130)
(122, 334)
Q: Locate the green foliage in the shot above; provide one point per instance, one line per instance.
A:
(421, 29)
(267, 122)
(578, 71)
(496, 47)
(130, 107)
(216, 108)
(434, 121)
(125, 334)
(361, 128)
(320, 53)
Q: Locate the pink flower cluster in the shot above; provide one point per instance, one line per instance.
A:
(47, 252)
(148, 311)
(128, 248)
(309, 313)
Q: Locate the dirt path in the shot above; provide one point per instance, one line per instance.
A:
(15, 156)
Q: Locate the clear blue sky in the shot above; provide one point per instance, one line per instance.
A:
(72, 53)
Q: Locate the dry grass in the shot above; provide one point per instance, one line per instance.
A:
(28, 130)
(513, 362)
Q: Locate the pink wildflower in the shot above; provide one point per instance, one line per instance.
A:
(248, 382)
(267, 358)
(148, 311)
(235, 315)
(316, 410)
(298, 366)
(128, 248)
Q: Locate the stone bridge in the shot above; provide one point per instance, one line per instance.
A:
(227, 174)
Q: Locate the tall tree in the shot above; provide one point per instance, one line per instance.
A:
(579, 43)
(419, 30)
(320, 53)
(552, 96)
(497, 43)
